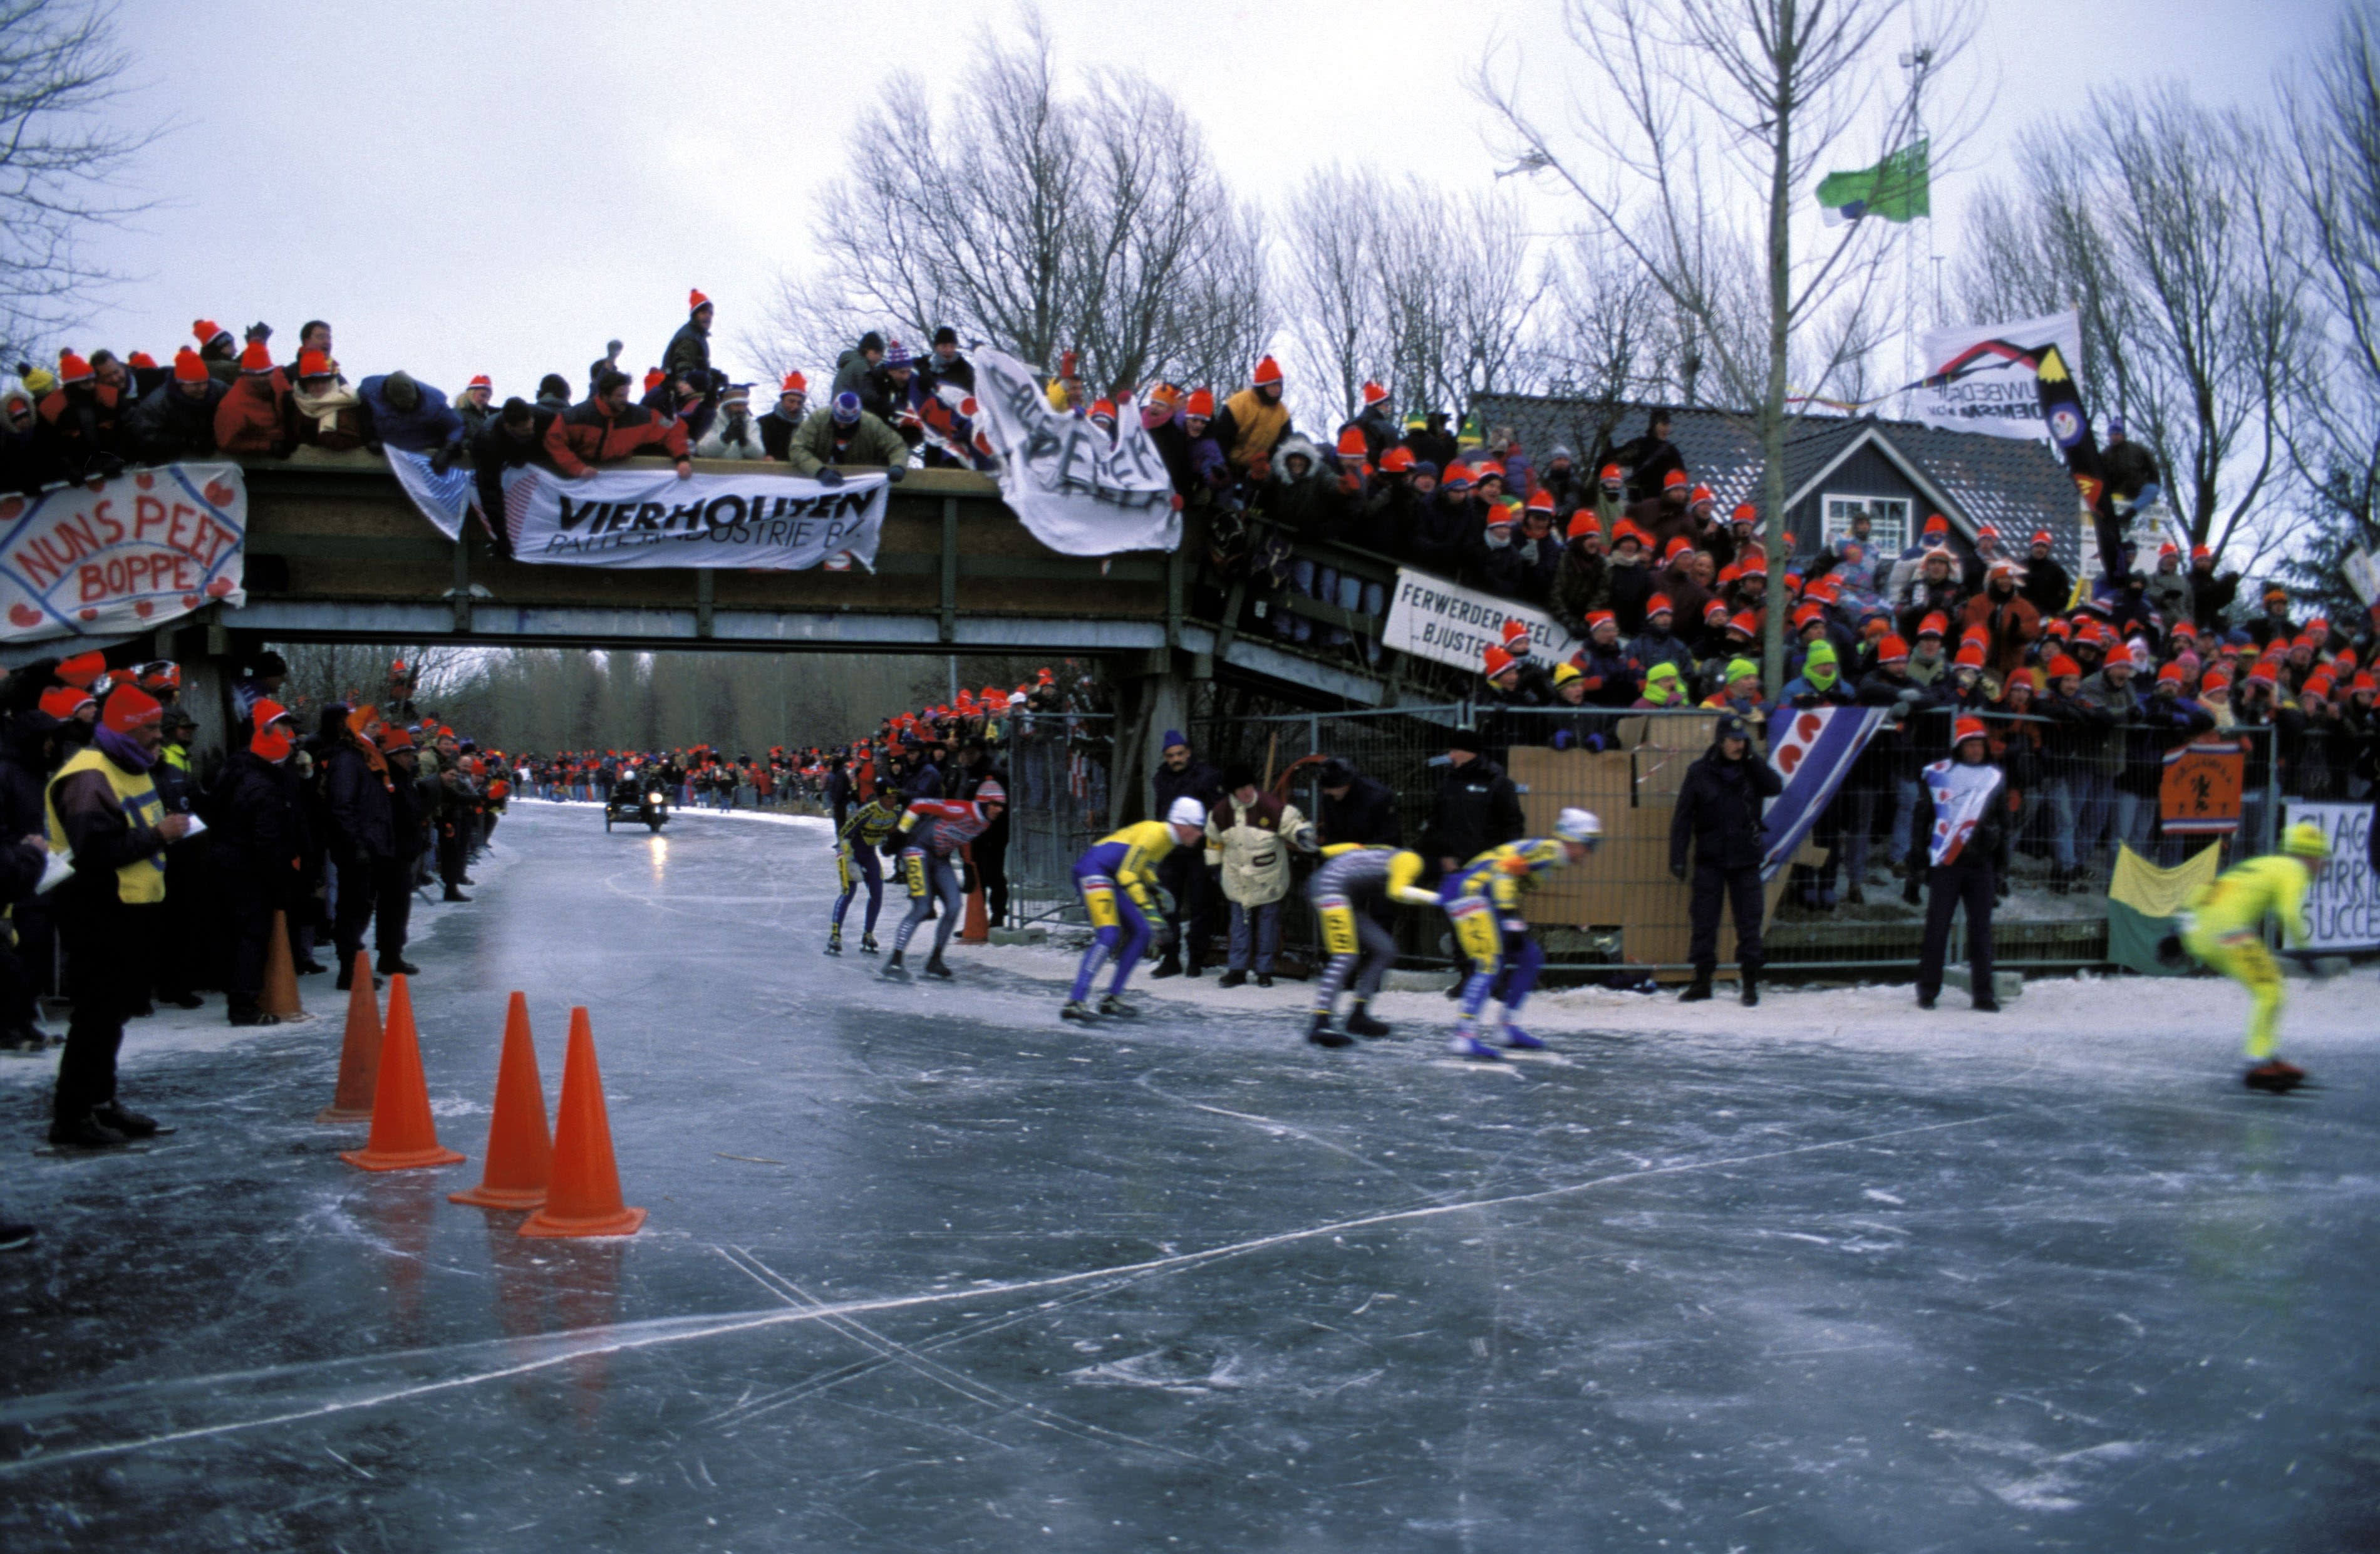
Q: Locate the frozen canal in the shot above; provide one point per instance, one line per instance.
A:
(927, 1271)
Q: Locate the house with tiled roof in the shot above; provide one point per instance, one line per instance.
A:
(1896, 472)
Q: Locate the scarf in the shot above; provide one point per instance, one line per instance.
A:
(325, 409)
(357, 719)
(121, 750)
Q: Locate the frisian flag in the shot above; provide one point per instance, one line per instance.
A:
(1812, 749)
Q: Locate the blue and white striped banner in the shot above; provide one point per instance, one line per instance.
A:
(1812, 749)
(444, 499)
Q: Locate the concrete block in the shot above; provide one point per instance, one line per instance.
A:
(1020, 935)
(2006, 985)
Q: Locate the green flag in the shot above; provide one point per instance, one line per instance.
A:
(1895, 189)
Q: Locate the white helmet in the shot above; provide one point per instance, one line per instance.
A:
(1187, 811)
(1579, 825)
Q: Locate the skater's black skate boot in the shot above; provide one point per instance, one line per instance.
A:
(1360, 1021)
(834, 942)
(1118, 1008)
(1318, 1031)
(934, 966)
(893, 968)
(86, 1131)
(1075, 1009)
(131, 1124)
(868, 945)
(2274, 1077)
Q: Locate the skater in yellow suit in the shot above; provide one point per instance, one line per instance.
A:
(2225, 931)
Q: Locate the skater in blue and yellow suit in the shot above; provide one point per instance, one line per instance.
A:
(1482, 903)
(2225, 931)
(1117, 880)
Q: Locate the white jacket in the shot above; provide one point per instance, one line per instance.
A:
(1251, 843)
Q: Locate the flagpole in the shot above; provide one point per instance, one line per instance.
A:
(1917, 61)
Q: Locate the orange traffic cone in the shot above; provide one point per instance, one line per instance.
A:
(521, 1152)
(976, 929)
(359, 1057)
(280, 997)
(403, 1135)
(584, 1196)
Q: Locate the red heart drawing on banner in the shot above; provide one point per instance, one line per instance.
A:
(190, 602)
(10, 508)
(219, 587)
(145, 480)
(88, 614)
(24, 615)
(219, 494)
(143, 607)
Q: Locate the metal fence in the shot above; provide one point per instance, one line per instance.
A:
(1843, 906)
(1058, 765)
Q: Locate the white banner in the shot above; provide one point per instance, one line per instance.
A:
(649, 517)
(1435, 619)
(2342, 909)
(1079, 492)
(1980, 377)
(110, 557)
(2361, 569)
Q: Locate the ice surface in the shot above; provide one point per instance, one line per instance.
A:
(928, 1270)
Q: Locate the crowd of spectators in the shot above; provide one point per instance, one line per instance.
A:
(137, 874)
(2085, 690)
(98, 413)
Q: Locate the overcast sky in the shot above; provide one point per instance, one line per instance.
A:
(463, 187)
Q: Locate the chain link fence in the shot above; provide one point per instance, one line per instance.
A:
(1843, 905)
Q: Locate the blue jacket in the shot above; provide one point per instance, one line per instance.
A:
(428, 427)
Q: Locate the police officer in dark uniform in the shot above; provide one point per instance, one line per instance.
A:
(1719, 815)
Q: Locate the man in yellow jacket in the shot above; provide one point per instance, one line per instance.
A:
(2223, 929)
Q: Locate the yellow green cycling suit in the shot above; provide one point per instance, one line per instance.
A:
(1482, 903)
(1117, 880)
(2226, 932)
(1352, 877)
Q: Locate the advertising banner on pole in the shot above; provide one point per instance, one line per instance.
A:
(108, 557)
(1981, 377)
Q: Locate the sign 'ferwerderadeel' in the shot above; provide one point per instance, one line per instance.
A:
(112, 556)
(638, 517)
(1432, 618)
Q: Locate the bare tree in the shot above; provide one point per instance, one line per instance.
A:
(2333, 430)
(1034, 217)
(2171, 225)
(1698, 109)
(59, 170)
(1330, 281)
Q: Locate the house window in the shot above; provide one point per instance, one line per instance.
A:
(1888, 517)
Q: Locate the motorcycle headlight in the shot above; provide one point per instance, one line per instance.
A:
(652, 799)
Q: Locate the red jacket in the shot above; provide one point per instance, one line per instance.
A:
(2013, 622)
(252, 416)
(586, 435)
